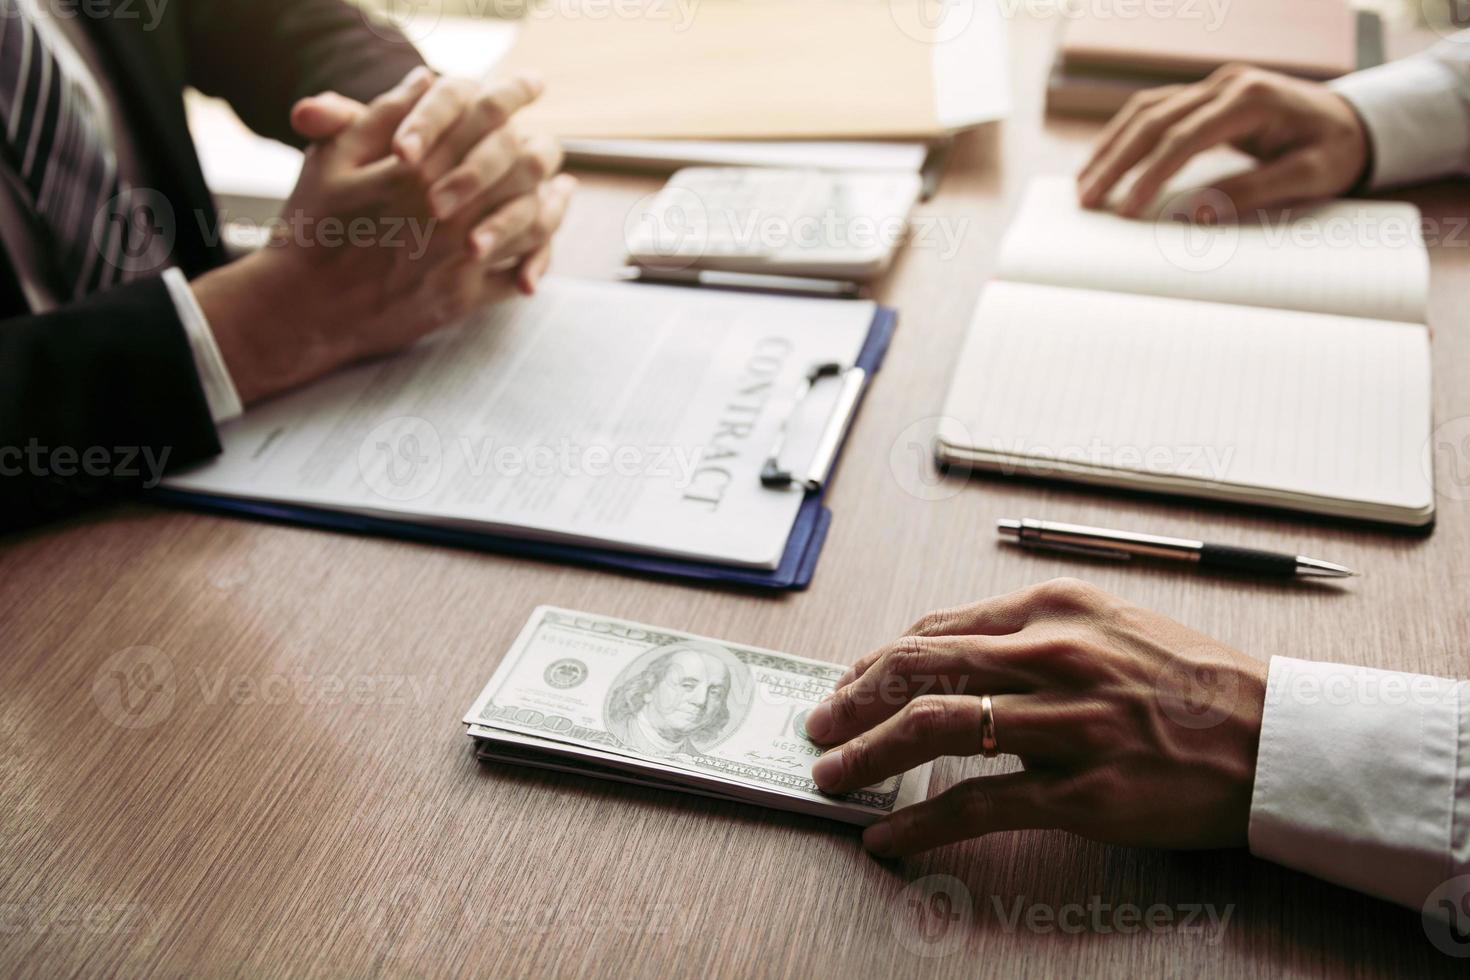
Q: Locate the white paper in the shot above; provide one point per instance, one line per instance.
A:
(972, 65)
(971, 82)
(1348, 257)
(1329, 413)
(620, 415)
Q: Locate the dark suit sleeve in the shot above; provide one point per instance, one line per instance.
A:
(263, 55)
(95, 399)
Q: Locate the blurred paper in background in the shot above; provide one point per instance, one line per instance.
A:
(959, 47)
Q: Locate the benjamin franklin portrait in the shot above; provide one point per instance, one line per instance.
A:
(680, 700)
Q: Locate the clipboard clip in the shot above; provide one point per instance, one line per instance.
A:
(773, 475)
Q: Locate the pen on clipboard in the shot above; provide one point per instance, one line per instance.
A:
(1123, 545)
(752, 282)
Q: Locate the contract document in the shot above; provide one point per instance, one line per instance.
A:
(612, 415)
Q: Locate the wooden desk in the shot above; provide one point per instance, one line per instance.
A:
(303, 798)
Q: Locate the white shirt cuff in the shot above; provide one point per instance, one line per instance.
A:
(214, 377)
(1358, 781)
(1417, 119)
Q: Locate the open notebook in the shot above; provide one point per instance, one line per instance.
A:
(1282, 362)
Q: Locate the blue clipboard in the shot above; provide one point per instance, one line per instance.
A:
(798, 563)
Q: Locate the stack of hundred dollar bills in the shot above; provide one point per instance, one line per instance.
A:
(604, 697)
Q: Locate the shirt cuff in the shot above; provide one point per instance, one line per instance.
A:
(1416, 117)
(214, 377)
(1356, 778)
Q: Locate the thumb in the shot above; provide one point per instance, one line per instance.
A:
(322, 117)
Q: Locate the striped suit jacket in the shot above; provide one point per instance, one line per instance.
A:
(115, 371)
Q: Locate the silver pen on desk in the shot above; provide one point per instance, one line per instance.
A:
(1101, 542)
(754, 282)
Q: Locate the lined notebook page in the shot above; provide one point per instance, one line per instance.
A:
(1293, 405)
(1353, 258)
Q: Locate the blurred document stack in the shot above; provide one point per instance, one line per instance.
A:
(1104, 58)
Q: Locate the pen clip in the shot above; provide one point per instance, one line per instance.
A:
(776, 477)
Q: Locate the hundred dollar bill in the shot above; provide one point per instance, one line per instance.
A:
(525, 750)
(621, 700)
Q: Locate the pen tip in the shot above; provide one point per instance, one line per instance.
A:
(1325, 569)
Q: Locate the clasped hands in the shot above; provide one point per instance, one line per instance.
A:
(441, 157)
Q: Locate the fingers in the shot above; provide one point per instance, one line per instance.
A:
(368, 139)
(1011, 613)
(537, 158)
(1140, 133)
(998, 616)
(490, 236)
(524, 224)
(502, 167)
(1295, 177)
(927, 728)
(1221, 121)
(910, 668)
(323, 117)
(431, 118)
(1136, 104)
(864, 663)
(439, 112)
(991, 617)
(533, 270)
(1015, 801)
(463, 176)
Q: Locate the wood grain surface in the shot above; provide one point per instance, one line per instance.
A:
(298, 797)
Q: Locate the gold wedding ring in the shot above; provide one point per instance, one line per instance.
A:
(988, 746)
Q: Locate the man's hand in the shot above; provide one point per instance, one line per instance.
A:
(459, 141)
(1132, 728)
(363, 263)
(1309, 140)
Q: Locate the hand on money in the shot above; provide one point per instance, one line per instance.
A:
(1132, 728)
(618, 700)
